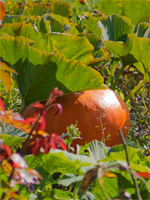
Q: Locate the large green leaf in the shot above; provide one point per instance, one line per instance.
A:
(137, 160)
(39, 8)
(143, 30)
(52, 163)
(60, 161)
(73, 47)
(136, 10)
(92, 23)
(115, 28)
(110, 186)
(44, 24)
(69, 26)
(134, 50)
(39, 72)
(11, 141)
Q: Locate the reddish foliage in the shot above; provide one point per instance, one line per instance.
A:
(46, 143)
(2, 11)
(143, 174)
(57, 108)
(5, 151)
(40, 124)
(57, 141)
(52, 97)
(40, 108)
(2, 105)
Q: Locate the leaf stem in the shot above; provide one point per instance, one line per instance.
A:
(141, 83)
(76, 191)
(29, 135)
(128, 163)
(114, 84)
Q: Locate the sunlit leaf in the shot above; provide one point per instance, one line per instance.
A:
(72, 47)
(44, 24)
(92, 24)
(7, 167)
(137, 11)
(12, 141)
(135, 49)
(39, 8)
(37, 70)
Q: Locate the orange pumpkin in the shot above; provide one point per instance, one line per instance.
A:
(83, 1)
(99, 113)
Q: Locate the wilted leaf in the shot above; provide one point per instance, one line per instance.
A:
(4, 66)
(5, 78)
(89, 177)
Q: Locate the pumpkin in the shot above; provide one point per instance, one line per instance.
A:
(98, 113)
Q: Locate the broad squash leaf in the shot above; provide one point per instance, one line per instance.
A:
(44, 24)
(138, 11)
(115, 28)
(134, 50)
(39, 8)
(73, 47)
(39, 72)
(143, 30)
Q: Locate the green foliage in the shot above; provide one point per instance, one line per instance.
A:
(79, 47)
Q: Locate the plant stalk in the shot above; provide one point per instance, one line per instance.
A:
(29, 135)
(128, 163)
(141, 83)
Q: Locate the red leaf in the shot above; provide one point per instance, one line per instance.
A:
(143, 174)
(2, 105)
(46, 144)
(36, 146)
(40, 108)
(52, 97)
(2, 11)
(5, 151)
(53, 144)
(57, 108)
(40, 125)
(57, 141)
